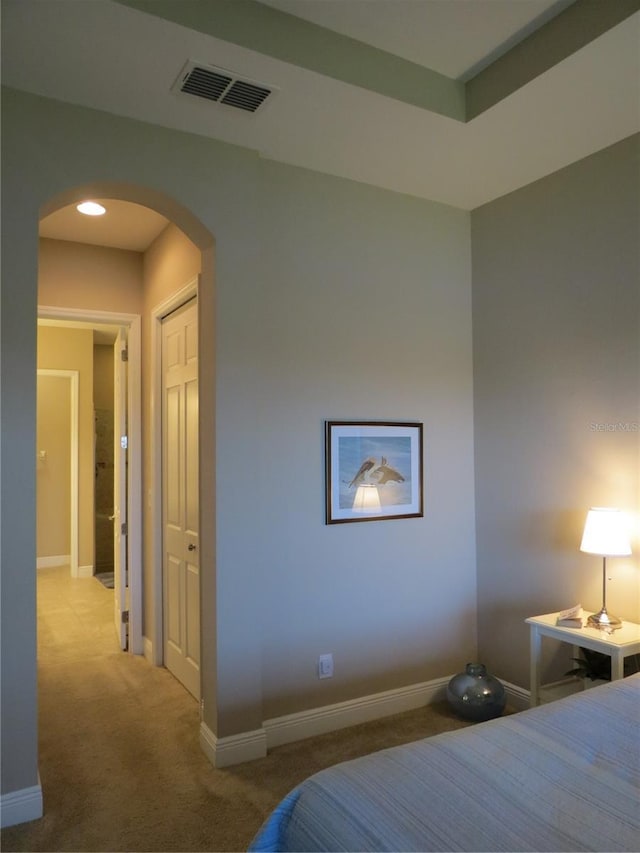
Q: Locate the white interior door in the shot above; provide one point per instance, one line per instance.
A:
(120, 440)
(181, 560)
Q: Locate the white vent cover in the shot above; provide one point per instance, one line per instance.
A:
(222, 87)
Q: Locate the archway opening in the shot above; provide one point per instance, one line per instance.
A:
(179, 258)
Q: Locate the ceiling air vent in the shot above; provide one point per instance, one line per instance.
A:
(223, 87)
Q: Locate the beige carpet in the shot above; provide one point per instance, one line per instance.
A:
(120, 763)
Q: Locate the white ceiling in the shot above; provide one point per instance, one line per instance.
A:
(111, 57)
(454, 37)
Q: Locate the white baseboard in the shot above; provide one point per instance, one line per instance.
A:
(517, 697)
(329, 718)
(52, 562)
(236, 749)
(21, 806)
(247, 746)
(152, 652)
(147, 650)
(85, 571)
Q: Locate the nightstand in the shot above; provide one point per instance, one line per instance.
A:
(618, 645)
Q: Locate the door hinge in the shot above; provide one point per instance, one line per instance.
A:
(124, 354)
(124, 529)
(125, 617)
(124, 442)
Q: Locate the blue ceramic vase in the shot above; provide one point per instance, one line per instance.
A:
(476, 695)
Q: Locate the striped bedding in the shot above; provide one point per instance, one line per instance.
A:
(564, 776)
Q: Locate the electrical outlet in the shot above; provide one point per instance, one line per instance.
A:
(325, 666)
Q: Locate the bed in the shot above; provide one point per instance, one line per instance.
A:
(563, 776)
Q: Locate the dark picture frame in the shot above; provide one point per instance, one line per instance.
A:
(373, 471)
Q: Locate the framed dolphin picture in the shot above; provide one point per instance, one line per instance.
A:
(373, 471)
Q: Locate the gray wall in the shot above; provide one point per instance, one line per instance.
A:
(307, 269)
(556, 324)
(364, 313)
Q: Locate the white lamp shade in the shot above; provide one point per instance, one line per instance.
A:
(367, 499)
(606, 533)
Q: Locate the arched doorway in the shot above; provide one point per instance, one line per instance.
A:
(148, 583)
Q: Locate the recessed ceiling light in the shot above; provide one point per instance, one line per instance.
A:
(91, 208)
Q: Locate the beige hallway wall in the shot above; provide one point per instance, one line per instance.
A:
(72, 349)
(98, 278)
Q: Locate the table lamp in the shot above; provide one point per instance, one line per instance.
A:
(605, 533)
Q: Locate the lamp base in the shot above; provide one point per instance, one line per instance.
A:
(604, 620)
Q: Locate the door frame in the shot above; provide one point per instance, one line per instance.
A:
(134, 402)
(74, 385)
(156, 653)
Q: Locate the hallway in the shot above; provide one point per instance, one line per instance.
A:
(120, 763)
